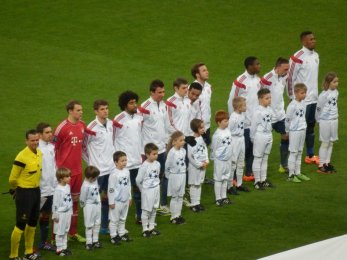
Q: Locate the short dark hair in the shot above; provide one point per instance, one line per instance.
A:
(30, 132)
(150, 147)
(249, 61)
(98, 103)
(71, 105)
(195, 85)
(300, 86)
(195, 69)
(179, 81)
(281, 61)
(221, 115)
(125, 97)
(62, 172)
(195, 124)
(117, 155)
(42, 126)
(157, 83)
(262, 92)
(91, 172)
(304, 34)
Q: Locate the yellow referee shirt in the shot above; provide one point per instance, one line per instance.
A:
(26, 169)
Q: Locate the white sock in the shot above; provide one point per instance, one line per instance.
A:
(323, 153)
(121, 226)
(239, 175)
(256, 168)
(224, 189)
(291, 163)
(59, 242)
(113, 225)
(330, 151)
(96, 230)
(145, 219)
(179, 205)
(298, 163)
(152, 216)
(263, 171)
(217, 189)
(89, 234)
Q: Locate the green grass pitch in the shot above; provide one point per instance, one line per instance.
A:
(54, 51)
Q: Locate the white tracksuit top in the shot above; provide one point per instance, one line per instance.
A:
(205, 99)
(276, 84)
(48, 179)
(148, 175)
(221, 145)
(178, 109)
(261, 121)
(98, 150)
(90, 193)
(303, 68)
(247, 86)
(128, 137)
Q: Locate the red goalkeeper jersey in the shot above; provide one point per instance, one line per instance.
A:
(68, 140)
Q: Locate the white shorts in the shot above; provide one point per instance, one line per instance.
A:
(119, 212)
(176, 185)
(195, 176)
(150, 198)
(328, 130)
(262, 144)
(221, 170)
(237, 149)
(92, 215)
(296, 140)
(63, 226)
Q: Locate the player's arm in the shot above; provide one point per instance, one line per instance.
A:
(17, 167)
(57, 197)
(111, 189)
(169, 164)
(322, 100)
(294, 67)
(254, 125)
(289, 116)
(192, 159)
(85, 155)
(83, 195)
(139, 177)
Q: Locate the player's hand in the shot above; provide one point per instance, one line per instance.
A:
(13, 193)
(56, 220)
(112, 206)
(130, 202)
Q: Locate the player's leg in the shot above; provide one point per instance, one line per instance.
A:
(45, 216)
(29, 232)
(113, 224)
(311, 121)
(164, 185)
(97, 224)
(248, 156)
(75, 184)
(103, 184)
(136, 193)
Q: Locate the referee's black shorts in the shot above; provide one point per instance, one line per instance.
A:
(27, 205)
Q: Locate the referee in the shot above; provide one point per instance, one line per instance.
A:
(24, 181)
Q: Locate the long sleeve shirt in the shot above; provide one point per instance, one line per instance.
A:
(261, 121)
(205, 99)
(62, 201)
(221, 145)
(48, 179)
(303, 68)
(119, 186)
(236, 124)
(89, 193)
(198, 154)
(178, 113)
(148, 175)
(295, 116)
(327, 105)
(175, 162)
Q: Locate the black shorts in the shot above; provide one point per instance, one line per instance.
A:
(27, 204)
(47, 205)
(279, 127)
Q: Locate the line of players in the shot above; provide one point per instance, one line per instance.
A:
(155, 120)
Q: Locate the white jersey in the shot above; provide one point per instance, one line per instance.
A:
(198, 154)
(276, 84)
(48, 180)
(327, 105)
(295, 116)
(236, 124)
(205, 99)
(128, 137)
(89, 193)
(155, 123)
(221, 145)
(62, 201)
(247, 86)
(178, 109)
(98, 149)
(261, 121)
(175, 162)
(303, 68)
(119, 187)
(148, 175)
